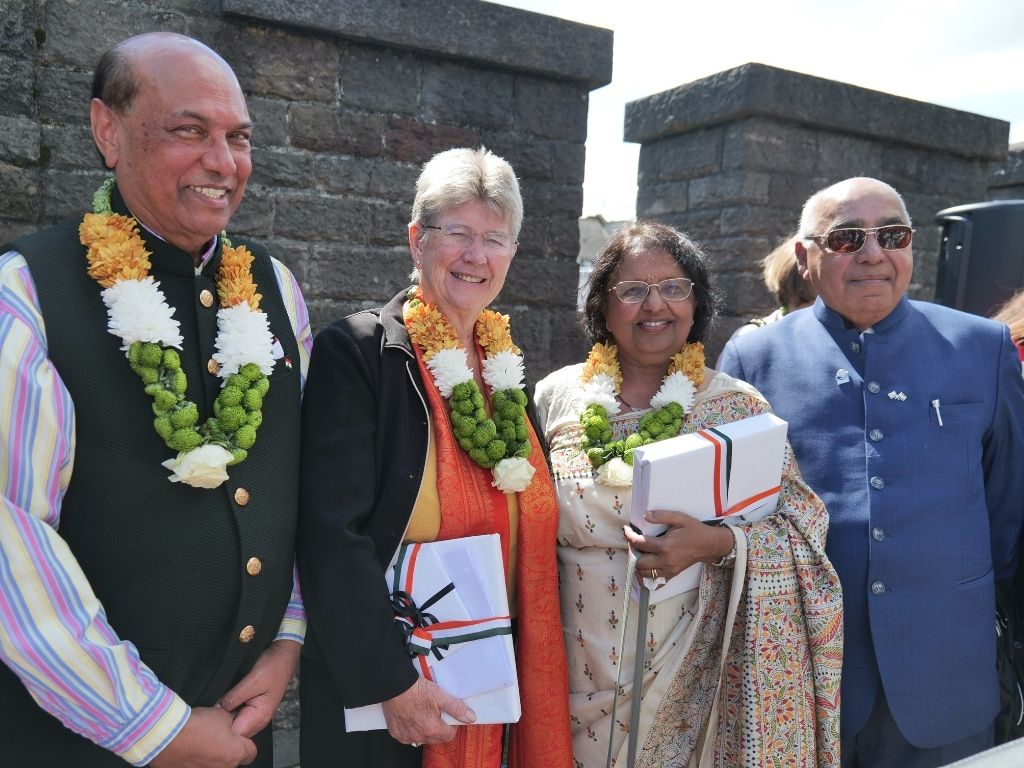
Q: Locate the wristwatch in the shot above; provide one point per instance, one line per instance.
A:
(728, 560)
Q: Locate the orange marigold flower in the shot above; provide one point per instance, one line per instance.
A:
(115, 250)
(493, 334)
(234, 278)
(690, 360)
(603, 358)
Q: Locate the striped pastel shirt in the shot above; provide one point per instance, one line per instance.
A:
(53, 631)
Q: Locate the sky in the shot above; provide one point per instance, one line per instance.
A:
(968, 56)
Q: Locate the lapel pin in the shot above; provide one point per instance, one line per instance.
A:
(842, 376)
(894, 395)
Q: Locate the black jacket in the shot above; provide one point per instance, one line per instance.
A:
(365, 429)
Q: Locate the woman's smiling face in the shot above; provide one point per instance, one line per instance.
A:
(460, 281)
(651, 331)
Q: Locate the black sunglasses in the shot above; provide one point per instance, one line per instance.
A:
(891, 237)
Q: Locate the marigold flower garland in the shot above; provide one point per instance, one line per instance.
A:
(602, 380)
(501, 443)
(139, 315)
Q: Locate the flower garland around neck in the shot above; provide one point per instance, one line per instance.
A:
(501, 443)
(138, 313)
(602, 381)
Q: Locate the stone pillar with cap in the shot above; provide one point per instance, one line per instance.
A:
(731, 158)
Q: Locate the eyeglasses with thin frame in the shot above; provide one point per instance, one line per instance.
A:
(635, 291)
(891, 237)
(462, 237)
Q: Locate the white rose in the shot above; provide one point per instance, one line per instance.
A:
(615, 472)
(202, 467)
(512, 475)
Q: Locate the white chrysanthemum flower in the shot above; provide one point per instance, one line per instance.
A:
(243, 337)
(137, 311)
(512, 475)
(504, 371)
(449, 367)
(202, 467)
(600, 390)
(676, 388)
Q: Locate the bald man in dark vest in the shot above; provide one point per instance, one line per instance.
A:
(151, 368)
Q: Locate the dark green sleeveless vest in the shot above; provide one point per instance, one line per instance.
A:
(167, 561)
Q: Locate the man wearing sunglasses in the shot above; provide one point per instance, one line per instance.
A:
(906, 418)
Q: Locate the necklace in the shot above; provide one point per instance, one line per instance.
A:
(602, 383)
(138, 313)
(626, 403)
(501, 443)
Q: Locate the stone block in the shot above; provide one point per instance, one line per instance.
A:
(738, 253)
(531, 158)
(688, 156)
(76, 35)
(366, 177)
(64, 95)
(791, 190)
(416, 142)
(843, 156)
(255, 215)
(17, 86)
(354, 273)
(541, 282)
(567, 161)
(323, 312)
(730, 188)
(492, 34)
(700, 224)
(270, 121)
(69, 146)
(329, 129)
(750, 220)
(457, 93)
(65, 195)
(554, 110)
(19, 140)
(769, 145)
(546, 237)
(551, 198)
(379, 80)
(1007, 175)
(743, 294)
(281, 167)
(280, 63)
(294, 254)
(656, 200)
(345, 220)
(825, 105)
(19, 22)
(20, 192)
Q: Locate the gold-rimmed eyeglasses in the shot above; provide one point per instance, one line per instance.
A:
(635, 291)
(891, 237)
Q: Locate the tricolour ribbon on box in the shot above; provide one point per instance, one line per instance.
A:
(450, 601)
(731, 472)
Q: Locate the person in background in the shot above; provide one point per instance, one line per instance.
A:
(160, 623)
(1012, 314)
(650, 303)
(782, 278)
(906, 418)
(385, 460)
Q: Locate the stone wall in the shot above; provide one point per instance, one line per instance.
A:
(349, 98)
(731, 159)
(1007, 179)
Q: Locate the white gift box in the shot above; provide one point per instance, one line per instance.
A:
(730, 473)
(461, 584)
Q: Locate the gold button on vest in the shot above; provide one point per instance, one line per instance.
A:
(213, 367)
(247, 634)
(206, 298)
(254, 566)
(241, 497)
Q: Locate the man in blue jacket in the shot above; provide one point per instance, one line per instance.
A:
(906, 417)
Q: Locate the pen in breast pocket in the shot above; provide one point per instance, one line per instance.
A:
(938, 413)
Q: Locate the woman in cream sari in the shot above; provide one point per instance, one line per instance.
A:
(774, 696)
